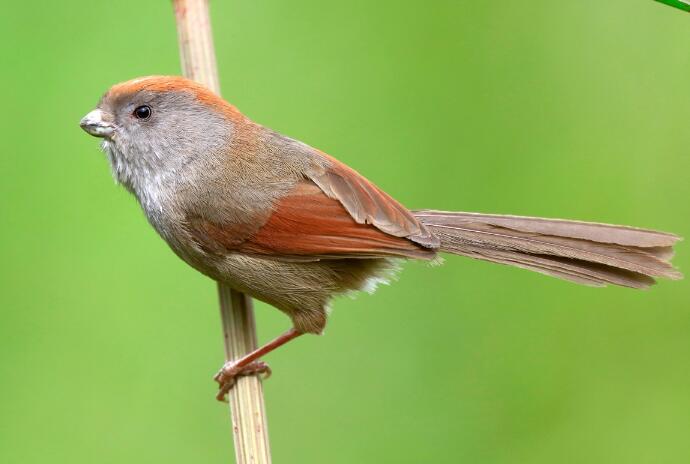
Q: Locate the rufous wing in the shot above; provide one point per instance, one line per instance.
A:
(368, 204)
(307, 225)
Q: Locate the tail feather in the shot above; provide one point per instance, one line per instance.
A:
(597, 232)
(592, 274)
(582, 252)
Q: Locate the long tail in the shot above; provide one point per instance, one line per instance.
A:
(583, 252)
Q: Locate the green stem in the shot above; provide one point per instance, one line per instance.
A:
(680, 4)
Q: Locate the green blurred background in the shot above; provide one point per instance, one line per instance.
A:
(566, 109)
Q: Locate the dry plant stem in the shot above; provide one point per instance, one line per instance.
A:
(246, 400)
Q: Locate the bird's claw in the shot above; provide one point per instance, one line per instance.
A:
(227, 375)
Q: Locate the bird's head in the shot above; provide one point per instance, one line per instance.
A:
(152, 127)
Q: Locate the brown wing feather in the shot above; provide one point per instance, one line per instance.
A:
(368, 204)
(306, 224)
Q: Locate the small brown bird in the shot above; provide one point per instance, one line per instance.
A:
(294, 227)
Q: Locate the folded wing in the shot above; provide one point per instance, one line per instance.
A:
(308, 225)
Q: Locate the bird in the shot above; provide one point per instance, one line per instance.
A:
(289, 225)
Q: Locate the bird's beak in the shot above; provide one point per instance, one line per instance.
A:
(98, 123)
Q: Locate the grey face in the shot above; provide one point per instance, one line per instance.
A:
(149, 135)
(126, 115)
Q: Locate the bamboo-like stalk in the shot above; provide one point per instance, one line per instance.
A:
(249, 425)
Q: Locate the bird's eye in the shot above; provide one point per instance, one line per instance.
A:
(142, 112)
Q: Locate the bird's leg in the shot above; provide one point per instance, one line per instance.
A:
(249, 363)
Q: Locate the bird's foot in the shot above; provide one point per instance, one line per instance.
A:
(227, 375)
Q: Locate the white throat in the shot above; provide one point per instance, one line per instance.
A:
(149, 184)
